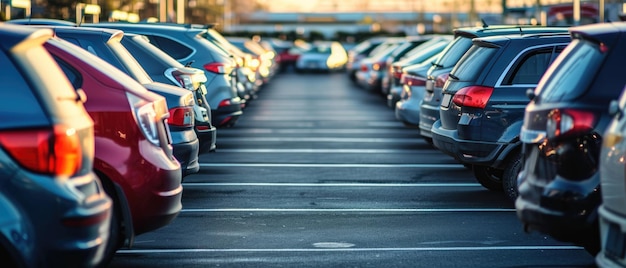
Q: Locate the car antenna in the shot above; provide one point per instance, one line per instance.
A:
(485, 25)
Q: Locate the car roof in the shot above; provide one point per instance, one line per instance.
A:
(602, 32)
(473, 32)
(516, 37)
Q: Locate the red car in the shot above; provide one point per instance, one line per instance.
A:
(133, 152)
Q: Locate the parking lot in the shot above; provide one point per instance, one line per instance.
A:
(319, 173)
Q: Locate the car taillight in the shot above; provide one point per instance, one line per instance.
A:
(146, 116)
(55, 151)
(441, 80)
(397, 71)
(473, 96)
(218, 68)
(413, 80)
(379, 66)
(181, 116)
(225, 102)
(188, 81)
(364, 67)
(569, 121)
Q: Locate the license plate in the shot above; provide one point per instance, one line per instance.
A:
(614, 246)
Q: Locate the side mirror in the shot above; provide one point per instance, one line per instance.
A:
(530, 93)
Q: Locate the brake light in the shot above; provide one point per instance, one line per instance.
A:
(441, 80)
(569, 121)
(218, 68)
(181, 116)
(364, 68)
(412, 80)
(473, 96)
(187, 80)
(397, 71)
(225, 102)
(55, 151)
(146, 116)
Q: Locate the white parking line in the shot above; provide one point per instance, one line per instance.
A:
(303, 165)
(378, 210)
(327, 151)
(310, 131)
(209, 250)
(280, 184)
(321, 139)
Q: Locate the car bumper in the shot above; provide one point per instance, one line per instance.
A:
(408, 112)
(187, 155)
(394, 96)
(208, 136)
(428, 115)
(226, 115)
(613, 237)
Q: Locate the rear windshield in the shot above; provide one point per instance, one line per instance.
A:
(471, 65)
(571, 73)
(454, 52)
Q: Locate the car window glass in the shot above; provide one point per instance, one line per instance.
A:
(150, 63)
(473, 63)
(530, 68)
(454, 52)
(72, 74)
(134, 68)
(16, 89)
(572, 72)
(171, 47)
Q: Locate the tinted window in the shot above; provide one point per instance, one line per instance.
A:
(530, 68)
(72, 74)
(572, 72)
(16, 97)
(473, 63)
(134, 69)
(150, 63)
(171, 47)
(454, 52)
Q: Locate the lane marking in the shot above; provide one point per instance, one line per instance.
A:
(312, 131)
(191, 210)
(327, 151)
(279, 184)
(209, 250)
(333, 165)
(321, 139)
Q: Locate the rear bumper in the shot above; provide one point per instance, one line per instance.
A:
(187, 155)
(227, 115)
(408, 112)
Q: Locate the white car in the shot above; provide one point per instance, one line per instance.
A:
(323, 56)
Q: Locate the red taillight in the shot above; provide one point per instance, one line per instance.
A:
(181, 116)
(202, 128)
(441, 80)
(364, 68)
(218, 68)
(566, 121)
(473, 96)
(54, 151)
(397, 71)
(413, 80)
(225, 102)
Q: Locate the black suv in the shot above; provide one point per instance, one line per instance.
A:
(188, 46)
(483, 104)
(559, 184)
(438, 74)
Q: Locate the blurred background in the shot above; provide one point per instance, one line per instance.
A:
(342, 20)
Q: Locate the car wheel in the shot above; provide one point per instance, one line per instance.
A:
(509, 179)
(115, 235)
(488, 177)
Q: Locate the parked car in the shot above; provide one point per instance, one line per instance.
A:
(164, 69)
(133, 151)
(562, 132)
(422, 53)
(613, 184)
(438, 73)
(54, 210)
(262, 61)
(109, 45)
(359, 52)
(326, 56)
(367, 75)
(186, 44)
(412, 82)
(483, 104)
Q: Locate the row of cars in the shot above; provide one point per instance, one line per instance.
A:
(101, 124)
(534, 112)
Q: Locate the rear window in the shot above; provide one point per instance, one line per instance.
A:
(454, 52)
(473, 63)
(171, 47)
(571, 73)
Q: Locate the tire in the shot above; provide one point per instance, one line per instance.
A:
(488, 177)
(115, 229)
(509, 178)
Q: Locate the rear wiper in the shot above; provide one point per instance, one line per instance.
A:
(189, 63)
(453, 76)
(437, 65)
